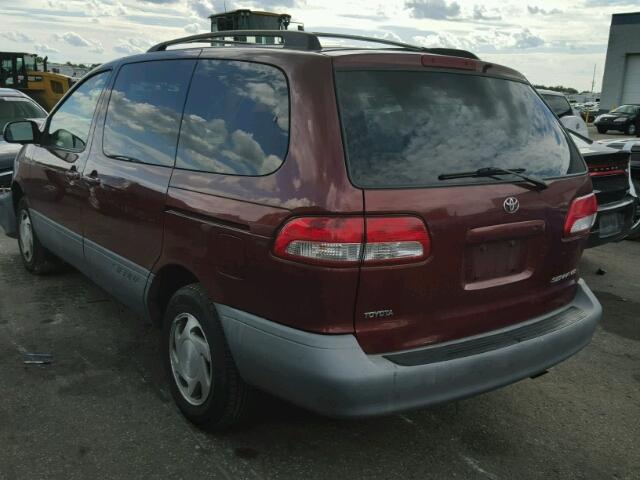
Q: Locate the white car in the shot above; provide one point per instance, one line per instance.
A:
(562, 108)
(631, 145)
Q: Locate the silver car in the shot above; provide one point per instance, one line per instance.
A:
(14, 105)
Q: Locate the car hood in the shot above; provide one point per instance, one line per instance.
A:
(8, 152)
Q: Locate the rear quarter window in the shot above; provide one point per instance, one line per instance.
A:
(236, 119)
(406, 128)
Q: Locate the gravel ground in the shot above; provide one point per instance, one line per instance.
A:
(101, 409)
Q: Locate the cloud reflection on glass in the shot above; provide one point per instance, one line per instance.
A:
(407, 128)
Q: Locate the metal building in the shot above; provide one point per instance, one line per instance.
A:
(621, 81)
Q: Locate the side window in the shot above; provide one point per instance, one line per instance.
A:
(56, 86)
(69, 125)
(236, 119)
(143, 116)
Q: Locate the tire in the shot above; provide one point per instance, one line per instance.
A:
(601, 130)
(631, 129)
(191, 328)
(35, 258)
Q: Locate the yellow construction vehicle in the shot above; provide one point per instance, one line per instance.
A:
(20, 71)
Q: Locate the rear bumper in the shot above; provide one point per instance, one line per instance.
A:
(330, 374)
(626, 207)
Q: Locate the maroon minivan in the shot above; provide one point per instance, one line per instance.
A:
(359, 231)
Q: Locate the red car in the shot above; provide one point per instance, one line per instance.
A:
(301, 220)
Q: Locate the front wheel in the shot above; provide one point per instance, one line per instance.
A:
(602, 130)
(35, 257)
(631, 129)
(202, 376)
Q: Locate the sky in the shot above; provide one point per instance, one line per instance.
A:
(551, 42)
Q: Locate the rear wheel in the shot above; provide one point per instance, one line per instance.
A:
(602, 130)
(202, 375)
(35, 257)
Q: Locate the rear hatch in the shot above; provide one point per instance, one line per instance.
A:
(498, 252)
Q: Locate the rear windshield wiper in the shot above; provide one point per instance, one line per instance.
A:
(494, 171)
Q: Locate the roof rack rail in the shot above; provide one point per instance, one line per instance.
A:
(405, 46)
(301, 40)
(292, 39)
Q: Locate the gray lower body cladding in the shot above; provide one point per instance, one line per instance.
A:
(331, 375)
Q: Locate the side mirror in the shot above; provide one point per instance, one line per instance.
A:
(22, 131)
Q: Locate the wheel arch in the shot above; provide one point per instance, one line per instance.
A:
(17, 193)
(165, 282)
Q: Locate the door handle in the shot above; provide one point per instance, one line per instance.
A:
(92, 178)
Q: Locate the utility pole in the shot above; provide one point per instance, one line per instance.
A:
(593, 81)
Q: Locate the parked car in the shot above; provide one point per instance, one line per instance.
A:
(617, 201)
(14, 105)
(622, 119)
(570, 118)
(300, 220)
(632, 146)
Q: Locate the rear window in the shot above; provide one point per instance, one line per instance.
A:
(405, 128)
(559, 105)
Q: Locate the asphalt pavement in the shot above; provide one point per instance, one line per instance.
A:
(101, 409)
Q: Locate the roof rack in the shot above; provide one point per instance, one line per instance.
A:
(300, 40)
(291, 39)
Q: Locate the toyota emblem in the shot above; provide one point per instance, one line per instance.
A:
(511, 205)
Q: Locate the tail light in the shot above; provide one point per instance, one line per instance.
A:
(347, 241)
(396, 239)
(581, 216)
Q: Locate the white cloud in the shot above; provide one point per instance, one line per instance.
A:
(192, 28)
(44, 49)
(493, 39)
(535, 10)
(72, 39)
(97, 48)
(132, 46)
(17, 37)
(126, 49)
(204, 8)
(438, 9)
(480, 12)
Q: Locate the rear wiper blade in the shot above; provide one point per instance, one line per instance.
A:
(494, 171)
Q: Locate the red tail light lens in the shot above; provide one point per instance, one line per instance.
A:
(341, 241)
(581, 215)
(323, 240)
(396, 239)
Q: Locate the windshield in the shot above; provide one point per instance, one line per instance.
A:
(406, 128)
(559, 105)
(16, 108)
(625, 109)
